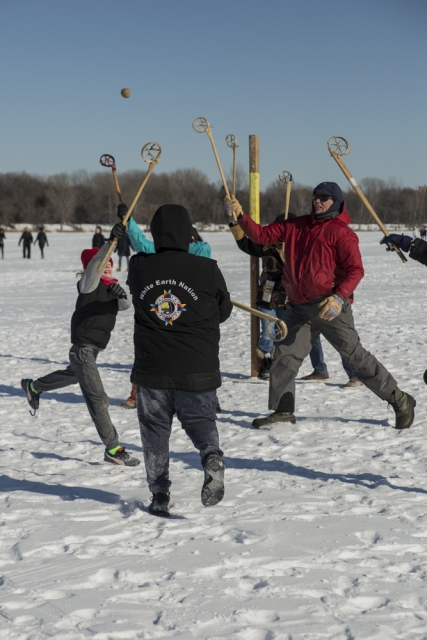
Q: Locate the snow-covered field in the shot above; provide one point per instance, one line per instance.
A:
(322, 533)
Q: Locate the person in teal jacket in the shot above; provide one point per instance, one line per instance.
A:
(140, 242)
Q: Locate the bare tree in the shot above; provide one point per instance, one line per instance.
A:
(61, 193)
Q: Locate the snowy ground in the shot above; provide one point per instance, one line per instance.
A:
(323, 530)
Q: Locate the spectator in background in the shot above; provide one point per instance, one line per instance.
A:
(98, 239)
(42, 240)
(123, 249)
(27, 241)
(2, 239)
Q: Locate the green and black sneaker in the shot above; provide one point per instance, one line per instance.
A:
(119, 455)
(33, 396)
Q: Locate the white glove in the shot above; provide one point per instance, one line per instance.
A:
(232, 207)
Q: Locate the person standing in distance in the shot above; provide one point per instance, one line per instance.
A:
(27, 240)
(2, 239)
(98, 239)
(42, 240)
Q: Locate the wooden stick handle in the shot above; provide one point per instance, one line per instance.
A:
(365, 201)
(128, 215)
(288, 198)
(234, 170)
(210, 136)
(260, 314)
(116, 181)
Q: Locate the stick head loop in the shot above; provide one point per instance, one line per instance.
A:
(201, 125)
(285, 176)
(107, 161)
(151, 152)
(231, 141)
(277, 330)
(338, 146)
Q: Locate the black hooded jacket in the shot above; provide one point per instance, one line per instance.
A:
(180, 300)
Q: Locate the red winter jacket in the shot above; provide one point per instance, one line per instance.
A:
(321, 256)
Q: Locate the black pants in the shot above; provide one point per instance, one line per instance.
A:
(26, 250)
(156, 408)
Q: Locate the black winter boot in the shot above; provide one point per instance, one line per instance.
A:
(159, 505)
(403, 406)
(264, 370)
(276, 416)
(213, 486)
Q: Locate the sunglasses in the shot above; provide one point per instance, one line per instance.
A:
(321, 197)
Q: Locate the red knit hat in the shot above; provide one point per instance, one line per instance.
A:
(87, 255)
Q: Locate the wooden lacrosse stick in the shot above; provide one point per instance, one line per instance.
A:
(231, 141)
(201, 125)
(277, 332)
(108, 161)
(286, 177)
(150, 153)
(338, 147)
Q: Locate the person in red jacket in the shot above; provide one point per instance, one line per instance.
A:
(323, 267)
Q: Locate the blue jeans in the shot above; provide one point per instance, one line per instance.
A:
(120, 260)
(318, 361)
(156, 407)
(265, 343)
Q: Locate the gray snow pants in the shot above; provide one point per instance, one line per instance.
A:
(304, 327)
(156, 408)
(83, 370)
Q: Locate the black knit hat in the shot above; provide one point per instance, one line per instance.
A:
(330, 189)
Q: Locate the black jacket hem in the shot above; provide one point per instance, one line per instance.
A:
(189, 382)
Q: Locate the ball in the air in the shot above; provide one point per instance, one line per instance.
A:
(125, 92)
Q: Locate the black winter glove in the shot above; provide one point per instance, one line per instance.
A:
(117, 291)
(401, 241)
(117, 231)
(122, 210)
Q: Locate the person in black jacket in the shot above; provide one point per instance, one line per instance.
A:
(100, 298)
(271, 297)
(27, 240)
(123, 249)
(42, 240)
(416, 247)
(2, 239)
(180, 300)
(98, 239)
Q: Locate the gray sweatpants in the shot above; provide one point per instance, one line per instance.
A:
(304, 327)
(156, 408)
(83, 370)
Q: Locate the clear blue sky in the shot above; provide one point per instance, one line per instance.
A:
(294, 72)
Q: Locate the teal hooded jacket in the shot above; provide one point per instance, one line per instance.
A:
(140, 242)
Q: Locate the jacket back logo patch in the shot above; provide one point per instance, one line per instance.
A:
(168, 307)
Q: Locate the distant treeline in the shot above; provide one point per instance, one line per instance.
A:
(80, 198)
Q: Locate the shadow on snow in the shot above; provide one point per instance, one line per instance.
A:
(367, 480)
(67, 398)
(63, 492)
